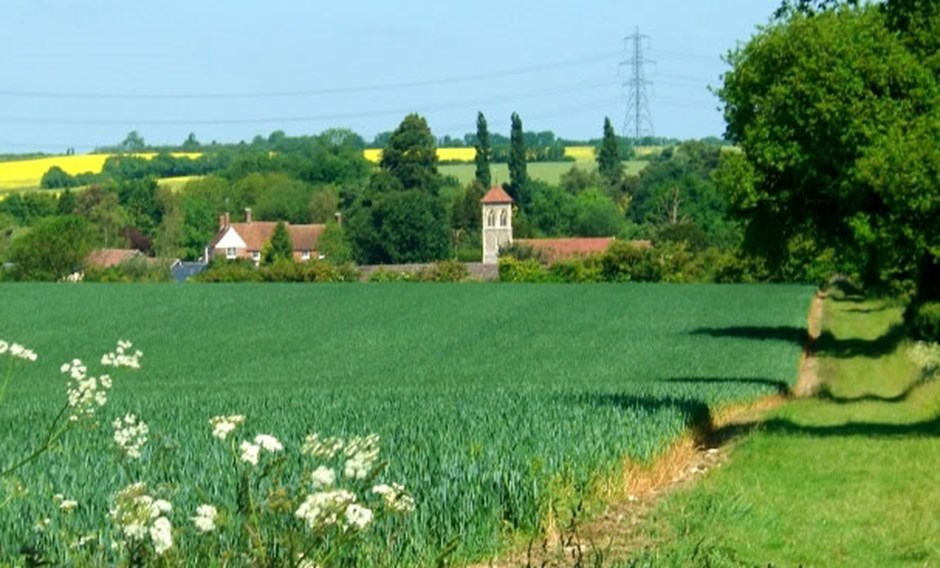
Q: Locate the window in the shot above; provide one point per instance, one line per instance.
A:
(503, 218)
(305, 255)
(256, 256)
(230, 252)
(491, 219)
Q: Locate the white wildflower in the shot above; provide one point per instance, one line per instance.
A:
(41, 524)
(121, 357)
(250, 452)
(269, 443)
(85, 394)
(18, 351)
(205, 518)
(358, 516)
(138, 514)
(161, 533)
(222, 426)
(395, 497)
(362, 454)
(321, 448)
(324, 509)
(323, 477)
(68, 504)
(130, 434)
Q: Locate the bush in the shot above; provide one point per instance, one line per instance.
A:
(577, 270)
(925, 322)
(139, 269)
(531, 270)
(444, 271)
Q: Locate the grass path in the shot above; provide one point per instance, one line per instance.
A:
(848, 477)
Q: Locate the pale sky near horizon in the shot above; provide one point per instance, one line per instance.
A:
(84, 73)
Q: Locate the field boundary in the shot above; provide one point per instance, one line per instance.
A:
(615, 533)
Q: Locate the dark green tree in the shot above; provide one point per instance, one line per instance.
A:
(821, 104)
(280, 247)
(411, 155)
(401, 217)
(54, 248)
(484, 154)
(518, 177)
(609, 161)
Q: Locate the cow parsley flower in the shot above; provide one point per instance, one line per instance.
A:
(269, 443)
(130, 434)
(250, 452)
(395, 498)
(205, 518)
(138, 515)
(321, 448)
(85, 394)
(362, 454)
(121, 356)
(222, 426)
(18, 351)
(324, 509)
(357, 516)
(323, 477)
(161, 534)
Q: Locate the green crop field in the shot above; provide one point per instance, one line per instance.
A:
(549, 172)
(489, 400)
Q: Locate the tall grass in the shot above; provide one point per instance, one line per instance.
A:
(487, 398)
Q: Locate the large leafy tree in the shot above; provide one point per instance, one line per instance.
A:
(54, 248)
(411, 155)
(400, 217)
(836, 114)
(484, 154)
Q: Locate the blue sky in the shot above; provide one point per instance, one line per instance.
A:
(81, 73)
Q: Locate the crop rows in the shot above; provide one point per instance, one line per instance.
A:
(487, 398)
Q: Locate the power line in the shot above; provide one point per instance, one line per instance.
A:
(343, 90)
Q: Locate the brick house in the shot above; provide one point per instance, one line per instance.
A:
(247, 240)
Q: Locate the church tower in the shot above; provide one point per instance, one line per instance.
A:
(497, 223)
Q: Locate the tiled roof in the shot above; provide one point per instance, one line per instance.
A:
(496, 195)
(257, 233)
(106, 258)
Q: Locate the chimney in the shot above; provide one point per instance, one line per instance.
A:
(248, 214)
(223, 220)
(338, 217)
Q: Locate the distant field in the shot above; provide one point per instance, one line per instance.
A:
(28, 173)
(549, 172)
(488, 405)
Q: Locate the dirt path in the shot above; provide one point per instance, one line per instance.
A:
(615, 533)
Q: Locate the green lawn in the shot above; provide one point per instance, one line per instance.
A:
(549, 172)
(847, 478)
(488, 398)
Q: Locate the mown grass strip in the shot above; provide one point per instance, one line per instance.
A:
(846, 478)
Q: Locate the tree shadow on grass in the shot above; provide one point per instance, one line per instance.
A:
(927, 428)
(782, 387)
(787, 333)
(825, 344)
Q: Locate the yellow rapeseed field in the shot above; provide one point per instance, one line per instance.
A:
(580, 153)
(28, 173)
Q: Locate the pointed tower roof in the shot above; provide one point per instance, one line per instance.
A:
(496, 195)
